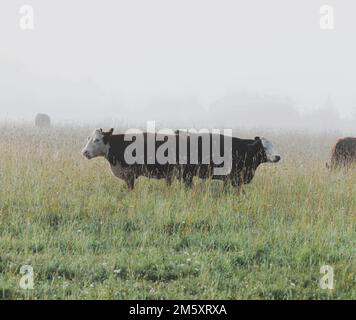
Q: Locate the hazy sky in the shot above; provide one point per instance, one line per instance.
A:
(117, 55)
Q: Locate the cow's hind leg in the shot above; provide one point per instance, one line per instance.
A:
(227, 182)
(238, 185)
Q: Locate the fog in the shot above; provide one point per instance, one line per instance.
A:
(186, 63)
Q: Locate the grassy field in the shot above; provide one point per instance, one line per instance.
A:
(87, 237)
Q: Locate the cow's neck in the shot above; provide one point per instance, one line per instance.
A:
(256, 154)
(111, 157)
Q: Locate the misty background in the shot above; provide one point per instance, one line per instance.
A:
(205, 63)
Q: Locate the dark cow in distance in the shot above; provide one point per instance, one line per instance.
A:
(42, 120)
(246, 156)
(343, 153)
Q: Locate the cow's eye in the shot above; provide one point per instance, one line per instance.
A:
(96, 141)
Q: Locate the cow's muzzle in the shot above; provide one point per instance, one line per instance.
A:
(86, 154)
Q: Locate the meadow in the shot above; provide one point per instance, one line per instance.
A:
(87, 237)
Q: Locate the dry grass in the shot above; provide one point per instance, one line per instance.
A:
(86, 236)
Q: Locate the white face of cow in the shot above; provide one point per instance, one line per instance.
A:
(271, 152)
(96, 146)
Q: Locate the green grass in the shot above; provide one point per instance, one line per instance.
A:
(86, 236)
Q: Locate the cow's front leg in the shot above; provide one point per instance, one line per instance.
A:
(130, 180)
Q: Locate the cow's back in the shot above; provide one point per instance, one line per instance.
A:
(147, 166)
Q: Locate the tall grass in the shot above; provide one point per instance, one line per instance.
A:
(86, 236)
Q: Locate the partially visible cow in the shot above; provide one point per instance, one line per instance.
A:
(343, 153)
(246, 156)
(42, 120)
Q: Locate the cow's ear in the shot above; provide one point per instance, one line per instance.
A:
(107, 135)
(257, 138)
(101, 130)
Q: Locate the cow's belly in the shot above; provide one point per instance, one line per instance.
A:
(119, 171)
(207, 171)
(156, 171)
(149, 171)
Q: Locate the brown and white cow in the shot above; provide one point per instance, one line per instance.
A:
(112, 147)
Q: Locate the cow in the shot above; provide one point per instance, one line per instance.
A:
(113, 147)
(343, 153)
(42, 120)
(246, 156)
